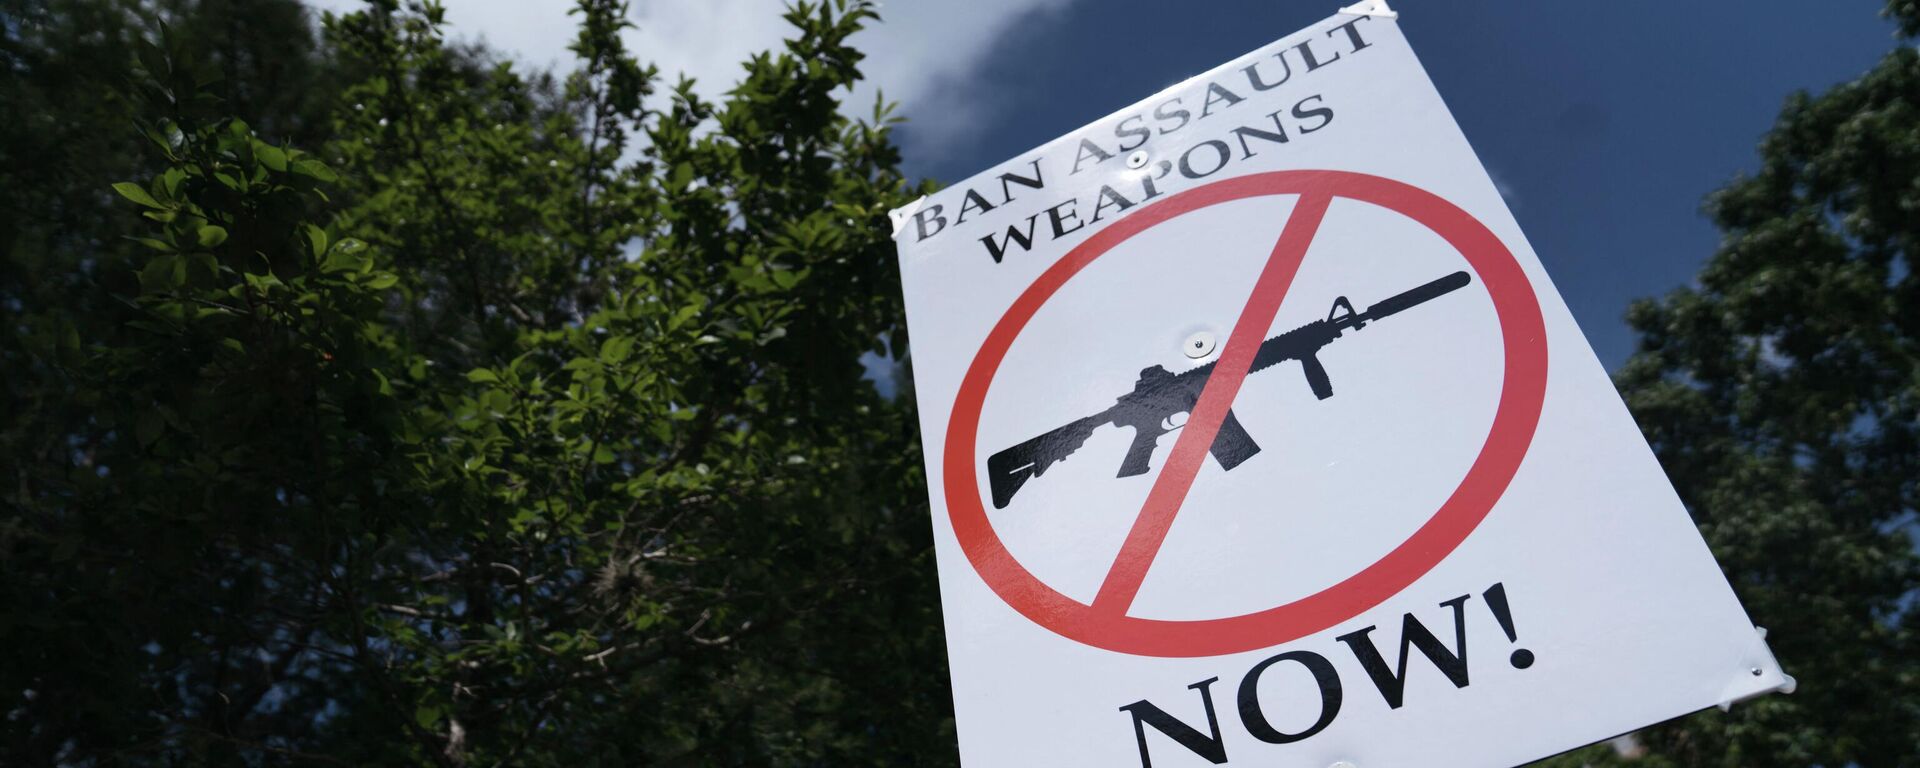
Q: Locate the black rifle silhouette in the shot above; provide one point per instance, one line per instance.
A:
(1159, 394)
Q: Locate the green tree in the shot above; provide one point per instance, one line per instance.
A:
(521, 424)
(70, 286)
(68, 66)
(65, 256)
(1783, 396)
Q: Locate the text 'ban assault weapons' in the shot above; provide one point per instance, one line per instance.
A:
(1159, 394)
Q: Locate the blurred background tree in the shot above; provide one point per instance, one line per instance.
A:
(1782, 394)
(520, 422)
(520, 419)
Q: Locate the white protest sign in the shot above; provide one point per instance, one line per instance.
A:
(1257, 435)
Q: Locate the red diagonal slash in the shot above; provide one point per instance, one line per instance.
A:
(1190, 449)
(1522, 392)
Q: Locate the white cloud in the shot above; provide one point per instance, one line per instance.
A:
(534, 31)
(926, 54)
(705, 39)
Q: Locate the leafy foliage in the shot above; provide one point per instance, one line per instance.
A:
(1783, 396)
(535, 435)
(520, 420)
(1907, 13)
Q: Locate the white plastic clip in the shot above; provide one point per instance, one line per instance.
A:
(1371, 8)
(1759, 674)
(901, 214)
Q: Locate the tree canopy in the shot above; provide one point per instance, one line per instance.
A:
(373, 400)
(1782, 394)
(516, 421)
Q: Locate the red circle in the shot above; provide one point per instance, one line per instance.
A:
(1522, 392)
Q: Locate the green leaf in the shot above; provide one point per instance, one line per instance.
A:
(317, 238)
(163, 273)
(315, 169)
(153, 61)
(344, 259)
(136, 193)
(483, 376)
(211, 236)
(382, 281)
(170, 181)
(616, 349)
(681, 317)
(274, 158)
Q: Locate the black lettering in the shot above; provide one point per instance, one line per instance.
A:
(1208, 746)
(1109, 199)
(1121, 131)
(1006, 193)
(1392, 683)
(1161, 113)
(1150, 190)
(1324, 677)
(1259, 83)
(1089, 149)
(998, 249)
(1313, 63)
(1217, 94)
(920, 221)
(1278, 135)
(1353, 33)
(1302, 113)
(1223, 152)
(972, 202)
(1053, 215)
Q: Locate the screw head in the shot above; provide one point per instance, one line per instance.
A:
(1137, 160)
(1199, 345)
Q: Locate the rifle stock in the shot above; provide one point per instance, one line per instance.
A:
(1013, 467)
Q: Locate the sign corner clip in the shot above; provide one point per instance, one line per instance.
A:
(903, 213)
(1376, 8)
(1761, 665)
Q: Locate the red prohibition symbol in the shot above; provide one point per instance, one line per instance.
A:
(1104, 623)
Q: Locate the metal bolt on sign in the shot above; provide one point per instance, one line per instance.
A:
(1200, 344)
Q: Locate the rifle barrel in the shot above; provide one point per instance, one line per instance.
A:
(1418, 296)
(1312, 336)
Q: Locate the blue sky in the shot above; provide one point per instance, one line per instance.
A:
(1604, 123)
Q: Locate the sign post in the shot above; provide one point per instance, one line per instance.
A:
(1257, 434)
